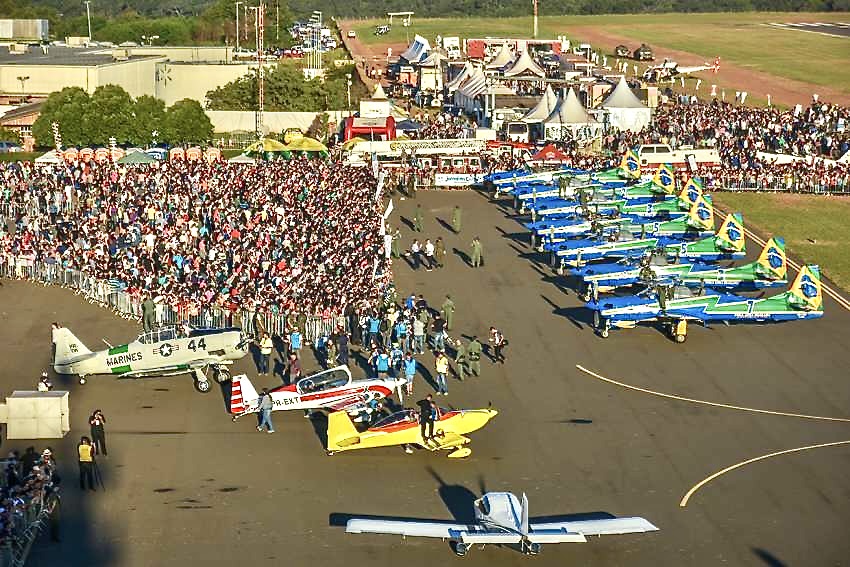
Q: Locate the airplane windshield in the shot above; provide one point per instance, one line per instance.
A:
(335, 378)
(404, 416)
(158, 335)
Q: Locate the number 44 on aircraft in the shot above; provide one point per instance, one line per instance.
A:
(166, 351)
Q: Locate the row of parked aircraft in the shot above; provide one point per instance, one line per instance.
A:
(500, 517)
(617, 230)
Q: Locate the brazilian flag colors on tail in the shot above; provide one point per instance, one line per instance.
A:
(701, 215)
(691, 192)
(772, 262)
(805, 292)
(630, 166)
(730, 237)
(664, 179)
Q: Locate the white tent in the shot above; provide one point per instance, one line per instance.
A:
(241, 158)
(525, 65)
(460, 78)
(548, 102)
(570, 119)
(417, 51)
(624, 110)
(466, 94)
(50, 157)
(503, 58)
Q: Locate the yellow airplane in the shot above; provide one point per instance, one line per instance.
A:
(402, 428)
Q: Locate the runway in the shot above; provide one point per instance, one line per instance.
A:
(185, 485)
(834, 29)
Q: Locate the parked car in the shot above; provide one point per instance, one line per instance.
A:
(351, 34)
(10, 148)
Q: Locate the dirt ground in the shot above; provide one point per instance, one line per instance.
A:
(186, 486)
(758, 84)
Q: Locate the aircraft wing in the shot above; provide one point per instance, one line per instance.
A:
(348, 403)
(413, 528)
(612, 526)
(191, 365)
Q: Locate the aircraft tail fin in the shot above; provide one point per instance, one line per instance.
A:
(67, 347)
(805, 293)
(664, 179)
(772, 260)
(691, 191)
(630, 166)
(524, 515)
(242, 394)
(701, 215)
(341, 431)
(730, 236)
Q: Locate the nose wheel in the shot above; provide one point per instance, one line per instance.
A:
(461, 549)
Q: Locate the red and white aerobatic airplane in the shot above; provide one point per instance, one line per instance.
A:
(332, 389)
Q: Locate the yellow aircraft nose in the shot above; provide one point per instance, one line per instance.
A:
(473, 420)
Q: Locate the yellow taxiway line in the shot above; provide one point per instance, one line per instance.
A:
(704, 402)
(687, 496)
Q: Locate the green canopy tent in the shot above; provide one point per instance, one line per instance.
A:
(137, 158)
(308, 146)
(267, 149)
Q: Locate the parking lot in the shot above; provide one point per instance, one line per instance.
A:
(185, 485)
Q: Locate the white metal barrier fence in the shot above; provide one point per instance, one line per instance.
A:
(102, 292)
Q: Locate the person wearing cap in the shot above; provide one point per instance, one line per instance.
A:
(44, 384)
(98, 434)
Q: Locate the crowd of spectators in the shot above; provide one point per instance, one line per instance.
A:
(440, 126)
(28, 480)
(290, 236)
(816, 136)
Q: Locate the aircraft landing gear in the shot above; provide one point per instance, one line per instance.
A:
(532, 548)
(461, 549)
(222, 374)
(82, 380)
(202, 383)
(678, 331)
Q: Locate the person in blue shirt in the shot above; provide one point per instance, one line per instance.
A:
(374, 336)
(295, 343)
(396, 358)
(401, 331)
(382, 364)
(409, 365)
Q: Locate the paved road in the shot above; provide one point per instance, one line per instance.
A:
(187, 486)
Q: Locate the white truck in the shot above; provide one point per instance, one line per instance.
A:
(685, 157)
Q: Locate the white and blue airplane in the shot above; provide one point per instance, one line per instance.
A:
(501, 519)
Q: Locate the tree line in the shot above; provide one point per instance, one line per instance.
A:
(111, 112)
(213, 21)
(286, 90)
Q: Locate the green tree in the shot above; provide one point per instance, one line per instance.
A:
(68, 108)
(109, 113)
(148, 117)
(186, 122)
(7, 135)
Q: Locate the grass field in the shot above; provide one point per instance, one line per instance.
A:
(738, 38)
(815, 227)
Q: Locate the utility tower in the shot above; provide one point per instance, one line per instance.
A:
(260, 28)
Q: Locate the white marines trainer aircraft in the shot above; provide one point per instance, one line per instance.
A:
(501, 519)
(166, 351)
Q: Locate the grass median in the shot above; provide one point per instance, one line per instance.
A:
(816, 228)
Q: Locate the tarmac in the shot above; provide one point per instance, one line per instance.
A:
(186, 486)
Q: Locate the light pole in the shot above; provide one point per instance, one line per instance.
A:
(88, 16)
(237, 24)
(23, 81)
(348, 91)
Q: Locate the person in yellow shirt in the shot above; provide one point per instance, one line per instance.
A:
(86, 455)
(266, 347)
(442, 367)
